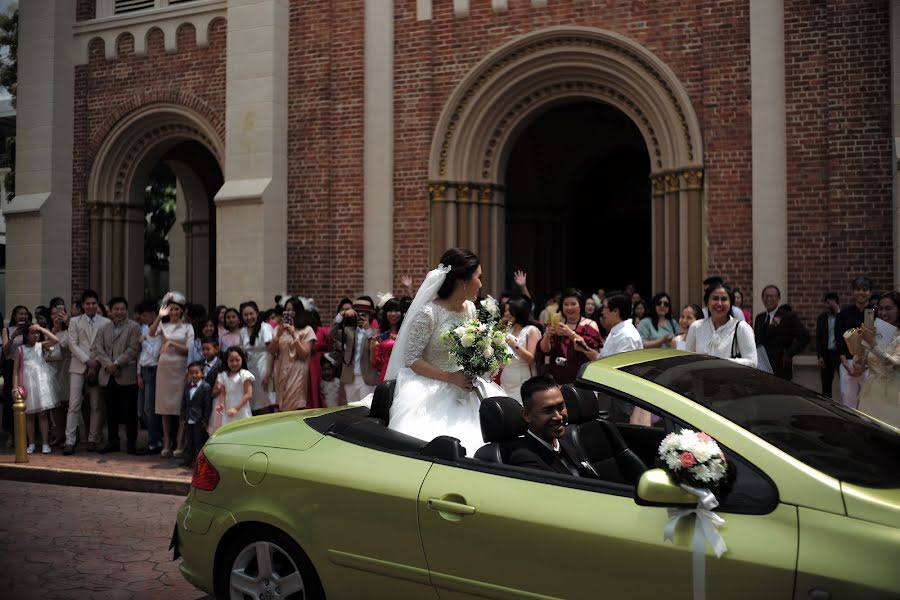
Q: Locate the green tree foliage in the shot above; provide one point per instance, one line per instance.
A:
(9, 41)
(159, 211)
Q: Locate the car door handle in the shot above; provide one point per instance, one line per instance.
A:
(448, 506)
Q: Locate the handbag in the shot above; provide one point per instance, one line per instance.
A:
(735, 348)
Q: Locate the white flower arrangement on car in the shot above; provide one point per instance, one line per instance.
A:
(694, 459)
(479, 344)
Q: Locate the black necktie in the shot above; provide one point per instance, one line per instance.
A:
(569, 467)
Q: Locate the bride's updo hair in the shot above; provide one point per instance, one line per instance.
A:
(463, 264)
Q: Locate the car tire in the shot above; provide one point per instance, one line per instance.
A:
(289, 574)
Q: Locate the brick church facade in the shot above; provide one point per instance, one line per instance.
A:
(329, 147)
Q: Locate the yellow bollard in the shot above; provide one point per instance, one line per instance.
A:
(19, 428)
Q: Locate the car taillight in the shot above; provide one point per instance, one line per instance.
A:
(205, 477)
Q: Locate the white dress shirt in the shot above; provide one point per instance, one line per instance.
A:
(704, 338)
(149, 348)
(623, 337)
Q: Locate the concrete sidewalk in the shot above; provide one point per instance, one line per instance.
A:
(113, 471)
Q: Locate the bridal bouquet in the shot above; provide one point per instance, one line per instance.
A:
(694, 459)
(479, 345)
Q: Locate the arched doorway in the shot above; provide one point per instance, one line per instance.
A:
(488, 111)
(578, 200)
(177, 143)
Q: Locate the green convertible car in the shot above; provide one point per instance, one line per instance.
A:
(332, 503)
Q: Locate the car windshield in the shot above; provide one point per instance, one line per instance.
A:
(825, 435)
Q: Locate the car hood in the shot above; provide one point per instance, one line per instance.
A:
(279, 430)
(871, 504)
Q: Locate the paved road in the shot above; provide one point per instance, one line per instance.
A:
(76, 543)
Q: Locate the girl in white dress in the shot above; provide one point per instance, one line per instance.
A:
(234, 388)
(33, 379)
(523, 339)
(433, 396)
(256, 335)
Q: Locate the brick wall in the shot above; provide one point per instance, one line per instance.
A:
(106, 91)
(325, 150)
(837, 83)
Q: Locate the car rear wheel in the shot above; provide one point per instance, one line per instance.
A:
(268, 565)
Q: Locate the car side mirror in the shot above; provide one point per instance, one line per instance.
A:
(656, 488)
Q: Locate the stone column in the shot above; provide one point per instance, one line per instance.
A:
(39, 219)
(251, 207)
(378, 154)
(178, 245)
(672, 226)
(658, 231)
(692, 247)
(895, 126)
(769, 147)
(437, 194)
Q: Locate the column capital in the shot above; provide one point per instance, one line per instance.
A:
(693, 178)
(437, 191)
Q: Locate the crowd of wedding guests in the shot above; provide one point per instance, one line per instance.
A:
(183, 371)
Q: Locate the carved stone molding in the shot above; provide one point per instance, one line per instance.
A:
(200, 14)
(485, 192)
(501, 81)
(688, 179)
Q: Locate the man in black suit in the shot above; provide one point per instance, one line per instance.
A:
(779, 330)
(826, 344)
(542, 447)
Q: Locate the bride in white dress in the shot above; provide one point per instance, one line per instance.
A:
(433, 396)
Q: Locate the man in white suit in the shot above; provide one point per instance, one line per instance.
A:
(82, 331)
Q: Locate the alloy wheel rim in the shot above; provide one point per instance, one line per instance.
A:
(264, 571)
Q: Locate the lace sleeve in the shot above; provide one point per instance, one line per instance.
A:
(890, 359)
(420, 330)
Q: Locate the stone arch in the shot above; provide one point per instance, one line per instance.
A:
(120, 167)
(534, 73)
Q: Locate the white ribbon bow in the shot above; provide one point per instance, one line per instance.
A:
(706, 531)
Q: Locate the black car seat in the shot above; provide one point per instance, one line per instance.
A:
(597, 441)
(382, 400)
(501, 424)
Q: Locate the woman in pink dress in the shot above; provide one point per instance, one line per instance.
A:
(321, 348)
(383, 344)
(289, 354)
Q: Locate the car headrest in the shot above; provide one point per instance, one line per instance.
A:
(582, 405)
(501, 419)
(382, 400)
(444, 447)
